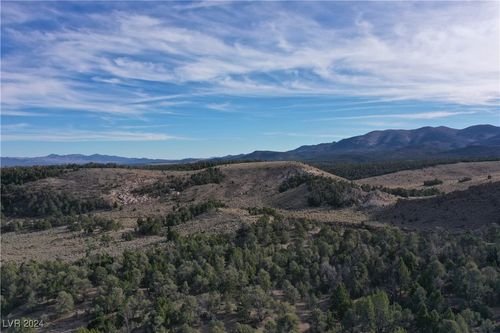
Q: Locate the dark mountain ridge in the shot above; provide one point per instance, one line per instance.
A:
(422, 143)
(425, 142)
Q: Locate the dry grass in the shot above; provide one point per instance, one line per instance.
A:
(59, 243)
(472, 208)
(450, 174)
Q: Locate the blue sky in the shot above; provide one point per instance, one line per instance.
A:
(200, 79)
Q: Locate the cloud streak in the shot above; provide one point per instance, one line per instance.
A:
(414, 116)
(447, 53)
(22, 132)
(163, 61)
(305, 135)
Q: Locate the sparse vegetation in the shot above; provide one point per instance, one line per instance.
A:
(155, 225)
(149, 226)
(21, 175)
(157, 189)
(464, 179)
(207, 176)
(200, 165)
(326, 191)
(404, 192)
(87, 223)
(184, 214)
(466, 209)
(433, 182)
(353, 171)
(322, 190)
(91, 223)
(162, 188)
(23, 202)
(263, 211)
(295, 181)
(411, 192)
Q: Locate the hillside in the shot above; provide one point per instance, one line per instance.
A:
(468, 209)
(129, 191)
(232, 240)
(130, 194)
(456, 176)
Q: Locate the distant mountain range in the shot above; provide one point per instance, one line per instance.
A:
(425, 142)
(55, 159)
(422, 143)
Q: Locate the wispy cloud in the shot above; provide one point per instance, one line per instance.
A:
(448, 52)
(14, 126)
(22, 133)
(222, 107)
(153, 62)
(419, 115)
(16, 113)
(304, 135)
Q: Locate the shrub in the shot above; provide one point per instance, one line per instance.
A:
(11, 226)
(263, 211)
(128, 236)
(322, 190)
(64, 302)
(154, 225)
(326, 191)
(92, 223)
(162, 188)
(207, 176)
(294, 181)
(185, 214)
(149, 226)
(23, 202)
(42, 225)
(21, 175)
(411, 192)
(156, 189)
(433, 182)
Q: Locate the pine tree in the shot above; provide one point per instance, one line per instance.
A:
(341, 301)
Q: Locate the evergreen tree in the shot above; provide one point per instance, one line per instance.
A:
(340, 301)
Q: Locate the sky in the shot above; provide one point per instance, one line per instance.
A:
(211, 78)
